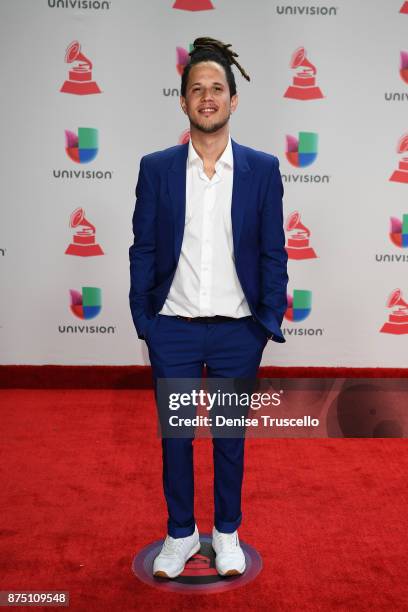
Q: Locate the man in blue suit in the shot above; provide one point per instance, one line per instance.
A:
(208, 285)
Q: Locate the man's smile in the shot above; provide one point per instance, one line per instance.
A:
(207, 110)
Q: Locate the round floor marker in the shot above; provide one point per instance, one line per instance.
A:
(199, 575)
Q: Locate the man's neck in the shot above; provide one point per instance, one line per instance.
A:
(209, 147)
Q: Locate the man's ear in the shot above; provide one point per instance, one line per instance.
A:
(234, 102)
(183, 104)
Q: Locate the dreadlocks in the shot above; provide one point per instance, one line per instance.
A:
(207, 49)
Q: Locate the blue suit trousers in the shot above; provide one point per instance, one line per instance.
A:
(179, 349)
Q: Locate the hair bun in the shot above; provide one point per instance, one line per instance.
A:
(211, 44)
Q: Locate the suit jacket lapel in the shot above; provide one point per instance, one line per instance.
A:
(177, 189)
(240, 190)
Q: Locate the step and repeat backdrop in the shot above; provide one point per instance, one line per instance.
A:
(90, 86)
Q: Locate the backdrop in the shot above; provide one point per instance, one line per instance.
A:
(90, 86)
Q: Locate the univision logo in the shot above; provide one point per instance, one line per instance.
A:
(82, 148)
(397, 96)
(182, 59)
(95, 5)
(298, 309)
(398, 235)
(399, 231)
(306, 10)
(86, 304)
(301, 152)
(174, 92)
(299, 305)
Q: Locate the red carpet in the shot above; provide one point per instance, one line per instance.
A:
(81, 494)
(136, 377)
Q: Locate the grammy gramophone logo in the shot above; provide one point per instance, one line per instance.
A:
(304, 81)
(298, 235)
(79, 80)
(84, 240)
(401, 174)
(398, 318)
(193, 5)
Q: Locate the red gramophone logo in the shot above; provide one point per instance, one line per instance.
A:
(401, 175)
(79, 80)
(84, 240)
(200, 574)
(398, 318)
(304, 82)
(199, 565)
(404, 8)
(298, 238)
(193, 5)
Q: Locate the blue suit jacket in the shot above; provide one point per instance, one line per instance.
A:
(257, 227)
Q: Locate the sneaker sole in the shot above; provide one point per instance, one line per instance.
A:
(163, 574)
(230, 572)
(233, 572)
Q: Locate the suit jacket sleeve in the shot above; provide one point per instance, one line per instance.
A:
(273, 256)
(142, 253)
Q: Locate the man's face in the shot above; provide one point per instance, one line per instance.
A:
(208, 104)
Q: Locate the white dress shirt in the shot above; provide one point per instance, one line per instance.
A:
(205, 282)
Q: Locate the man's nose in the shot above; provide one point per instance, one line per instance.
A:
(207, 94)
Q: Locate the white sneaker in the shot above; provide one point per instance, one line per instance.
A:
(174, 554)
(230, 558)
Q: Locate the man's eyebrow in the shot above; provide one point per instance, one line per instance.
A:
(215, 83)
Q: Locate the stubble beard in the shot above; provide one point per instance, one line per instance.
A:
(209, 129)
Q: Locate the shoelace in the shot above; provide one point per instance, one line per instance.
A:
(227, 541)
(172, 546)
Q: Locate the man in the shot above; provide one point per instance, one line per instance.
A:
(208, 285)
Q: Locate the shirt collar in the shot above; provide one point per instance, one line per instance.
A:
(226, 157)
